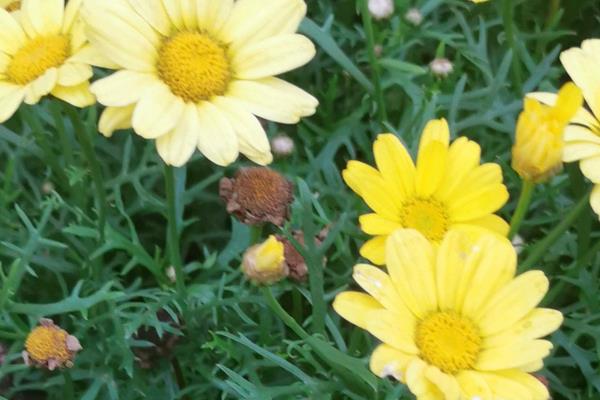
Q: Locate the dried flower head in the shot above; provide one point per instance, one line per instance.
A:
(50, 347)
(163, 343)
(441, 67)
(293, 259)
(381, 9)
(257, 195)
(414, 16)
(264, 263)
(282, 145)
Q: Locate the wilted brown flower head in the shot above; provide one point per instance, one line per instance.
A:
(257, 195)
(298, 270)
(50, 347)
(163, 345)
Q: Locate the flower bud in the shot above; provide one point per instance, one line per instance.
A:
(381, 9)
(539, 143)
(50, 347)
(257, 195)
(414, 16)
(265, 263)
(441, 67)
(282, 145)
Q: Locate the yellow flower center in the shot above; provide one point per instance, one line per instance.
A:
(36, 57)
(448, 341)
(48, 342)
(194, 65)
(428, 216)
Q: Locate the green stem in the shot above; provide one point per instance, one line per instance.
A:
(522, 207)
(376, 72)
(90, 154)
(173, 232)
(539, 249)
(68, 388)
(508, 18)
(282, 314)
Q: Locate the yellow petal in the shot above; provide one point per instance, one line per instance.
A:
(11, 97)
(12, 37)
(536, 388)
(496, 263)
(154, 13)
(217, 139)
(177, 146)
(379, 285)
(375, 224)
(393, 330)
(463, 157)
(431, 167)
(447, 384)
(272, 56)
(174, 11)
(418, 383)
(71, 15)
(583, 70)
(356, 173)
(450, 268)
(506, 388)
(590, 167)
(90, 55)
(513, 355)
(492, 223)
(513, 302)
(115, 118)
(374, 250)
(473, 385)
(488, 199)
(569, 101)
(157, 112)
(252, 138)
(123, 88)
(538, 323)
(387, 361)
(72, 74)
(41, 86)
(273, 99)
(354, 307)
(42, 17)
(395, 164)
(582, 116)
(213, 14)
(410, 262)
(436, 130)
(277, 17)
(78, 95)
(595, 199)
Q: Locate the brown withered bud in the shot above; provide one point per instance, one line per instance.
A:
(257, 195)
(298, 270)
(163, 345)
(50, 347)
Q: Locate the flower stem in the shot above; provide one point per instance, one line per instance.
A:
(173, 232)
(88, 150)
(538, 250)
(282, 314)
(508, 18)
(69, 393)
(522, 207)
(376, 72)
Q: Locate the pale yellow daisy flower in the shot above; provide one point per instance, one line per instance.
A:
(42, 51)
(196, 73)
(454, 324)
(446, 189)
(582, 137)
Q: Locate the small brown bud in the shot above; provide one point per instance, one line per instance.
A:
(257, 195)
(50, 347)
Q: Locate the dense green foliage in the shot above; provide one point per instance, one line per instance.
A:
(102, 285)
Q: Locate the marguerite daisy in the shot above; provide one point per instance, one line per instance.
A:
(448, 189)
(455, 324)
(582, 137)
(196, 73)
(41, 52)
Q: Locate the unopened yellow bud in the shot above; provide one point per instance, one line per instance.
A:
(265, 263)
(539, 143)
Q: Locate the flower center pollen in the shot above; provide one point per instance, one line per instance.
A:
(448, 341)
(428, 216)
(194, 65)
(45, 343)
(36, 57)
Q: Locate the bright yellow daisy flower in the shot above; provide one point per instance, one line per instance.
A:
(196, 73)
(448, 189)
(455, 324)
(41, 53)
(582, 137)
(539, 144)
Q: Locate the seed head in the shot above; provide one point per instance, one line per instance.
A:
(257, 195)
(50, 347)
(381, 9)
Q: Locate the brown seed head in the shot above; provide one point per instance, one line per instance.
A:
(257, 195)
(50, 346)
